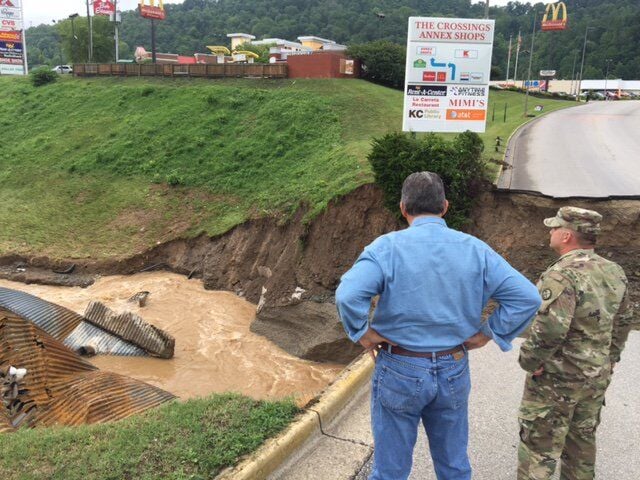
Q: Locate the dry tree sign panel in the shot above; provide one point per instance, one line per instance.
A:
(447, 74)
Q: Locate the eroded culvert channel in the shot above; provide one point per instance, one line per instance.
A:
(214, 349)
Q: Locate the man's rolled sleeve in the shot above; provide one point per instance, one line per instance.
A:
(354, 294)
(517, 297)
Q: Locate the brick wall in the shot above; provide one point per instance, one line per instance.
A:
(319, 65)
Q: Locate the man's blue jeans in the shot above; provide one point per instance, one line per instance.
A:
(408, 389)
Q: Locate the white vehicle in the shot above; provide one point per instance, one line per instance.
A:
(62, 69)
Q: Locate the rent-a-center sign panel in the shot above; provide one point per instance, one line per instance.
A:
(447, 74)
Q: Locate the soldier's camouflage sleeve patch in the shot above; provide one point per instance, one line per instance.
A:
(551, 288)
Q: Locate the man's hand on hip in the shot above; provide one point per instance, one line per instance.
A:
(371, 339)
(478, 340)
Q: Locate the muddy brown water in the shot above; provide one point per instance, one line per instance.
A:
(215, 350)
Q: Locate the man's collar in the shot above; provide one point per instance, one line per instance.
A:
(427, 220)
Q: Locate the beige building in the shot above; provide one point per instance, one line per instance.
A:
(238, 39)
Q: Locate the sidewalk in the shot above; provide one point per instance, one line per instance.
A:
(344, 451)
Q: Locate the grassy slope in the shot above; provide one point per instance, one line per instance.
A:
(108, 167)
(194, 439)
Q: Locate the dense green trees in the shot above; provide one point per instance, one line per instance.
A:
(614, 29)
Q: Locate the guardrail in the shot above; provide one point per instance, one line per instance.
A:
(181, 70)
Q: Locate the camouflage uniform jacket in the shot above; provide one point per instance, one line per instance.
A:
(584, 320)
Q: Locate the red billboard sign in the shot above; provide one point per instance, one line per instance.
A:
(11, 36)
(153, 12)
(103, 7)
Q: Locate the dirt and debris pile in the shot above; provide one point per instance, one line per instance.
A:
(105, 331)
(512, 225)
(44, 382)
(61, 388)
(100, 330)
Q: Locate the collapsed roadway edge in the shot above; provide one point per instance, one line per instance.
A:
(275, 451)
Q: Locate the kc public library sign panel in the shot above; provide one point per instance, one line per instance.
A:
(447, 74)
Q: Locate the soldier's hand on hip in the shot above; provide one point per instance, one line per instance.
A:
(538, 372)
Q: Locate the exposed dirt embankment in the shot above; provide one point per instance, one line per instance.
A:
(512, 225)
(291, 270)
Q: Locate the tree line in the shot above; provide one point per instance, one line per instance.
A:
(612, 35)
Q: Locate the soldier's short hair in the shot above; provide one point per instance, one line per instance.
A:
(423, 193)
(585, 238)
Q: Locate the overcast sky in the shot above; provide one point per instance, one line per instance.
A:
(44, 11)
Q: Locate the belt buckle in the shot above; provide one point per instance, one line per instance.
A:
(458, 355)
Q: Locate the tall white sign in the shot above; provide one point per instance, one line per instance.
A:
(447, 74)
(12, 48)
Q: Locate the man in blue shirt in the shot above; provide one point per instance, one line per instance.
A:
(433, 284)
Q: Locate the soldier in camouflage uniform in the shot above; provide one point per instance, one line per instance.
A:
(574, 342)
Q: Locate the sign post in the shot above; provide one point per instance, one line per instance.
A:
(447, 74)
(153, 13)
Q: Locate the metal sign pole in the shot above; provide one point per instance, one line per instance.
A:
(115, 22)
(90, 24)
(153, 40)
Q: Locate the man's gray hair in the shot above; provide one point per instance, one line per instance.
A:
(423, 193)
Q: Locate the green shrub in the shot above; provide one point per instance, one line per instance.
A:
(42, 76)
(458, 162)
(381, 62)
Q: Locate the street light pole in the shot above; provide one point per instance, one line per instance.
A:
(533, 37)
(73, 16)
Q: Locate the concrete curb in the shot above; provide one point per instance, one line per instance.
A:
(276, 450)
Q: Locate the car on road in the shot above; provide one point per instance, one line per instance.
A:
(62, 69)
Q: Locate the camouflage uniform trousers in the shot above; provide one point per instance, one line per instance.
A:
(558, 419)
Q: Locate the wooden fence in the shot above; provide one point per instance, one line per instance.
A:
(181, 70)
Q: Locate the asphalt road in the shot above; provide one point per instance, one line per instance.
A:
(588, 151)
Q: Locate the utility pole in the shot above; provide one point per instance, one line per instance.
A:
(90, 24)
(573, 71)
(515, 70)
(584, 50)
(509, 59)
(533, 37)
(486, 9)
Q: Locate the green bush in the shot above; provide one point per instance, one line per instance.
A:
(382, 62)
(458, 162)
(42, 76)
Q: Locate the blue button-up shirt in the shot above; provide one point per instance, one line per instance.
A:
(433, 283)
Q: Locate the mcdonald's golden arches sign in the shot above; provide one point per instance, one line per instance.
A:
(556, 22)
(153, 11)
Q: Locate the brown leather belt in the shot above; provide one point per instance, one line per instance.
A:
(409, 353)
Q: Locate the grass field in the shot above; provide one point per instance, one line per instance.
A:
(194, 439)
(109, 167)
